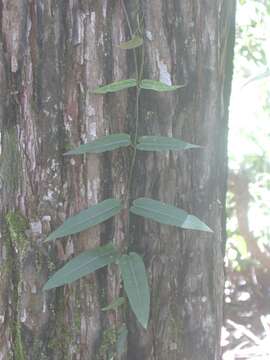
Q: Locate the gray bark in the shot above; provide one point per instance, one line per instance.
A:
(52, 54)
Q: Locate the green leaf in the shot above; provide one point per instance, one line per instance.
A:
(159, 143)
(106, 143)
(135, 42)
(121, 342)
(115, 86)
(83, 264)
(87, 218)
(167, 214)
(136, 286)
(158, 86)
(115, 304)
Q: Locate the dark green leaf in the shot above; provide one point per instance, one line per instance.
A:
(115, 86)
(83, 264)
(136, 286)
(159, 143)
(87, 218)
(135, 42)
(167, 214)
(158, 86)
(106, 143)
(122, 334)
(115, 304)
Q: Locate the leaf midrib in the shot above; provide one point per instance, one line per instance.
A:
(91, 217)
(159, 212)
(135, 280)
(110, 252)
(160, 145)
(126, 141)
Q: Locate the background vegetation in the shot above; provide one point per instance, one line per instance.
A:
(247, 291)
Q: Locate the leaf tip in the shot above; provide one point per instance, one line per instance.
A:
(49, 238)
(46, 287)
(97, 91)
(144, 324)
(70, 152)
(194, 146)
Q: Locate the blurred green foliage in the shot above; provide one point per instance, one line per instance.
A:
(249, 136)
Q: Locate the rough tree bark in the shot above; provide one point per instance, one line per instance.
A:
(52, 54)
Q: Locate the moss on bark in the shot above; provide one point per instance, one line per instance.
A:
(15, 239)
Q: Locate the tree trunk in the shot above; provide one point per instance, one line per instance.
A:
(52, 54)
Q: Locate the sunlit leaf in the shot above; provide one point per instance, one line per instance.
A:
(158, 86)
(106, 143)
(121, 342)
(135, 42)
(115, 304)
(136, 286)
(167, 214)
(115, 86)
(83, 264)
(87, 218)
(160, 143)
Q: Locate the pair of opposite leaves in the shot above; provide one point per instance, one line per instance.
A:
(131, 266)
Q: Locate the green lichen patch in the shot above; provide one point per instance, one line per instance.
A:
(18, 346)
(10, 162)
(17, 226)
(107, 348)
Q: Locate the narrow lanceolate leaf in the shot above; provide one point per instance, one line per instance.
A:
(158, 86)
(135, 42)
(167, 214)
(160, 143)
(83, 264)
(87, 218)
(121, 341)
(136, 286)
(106, 143)
(115, 304)
(115, 86)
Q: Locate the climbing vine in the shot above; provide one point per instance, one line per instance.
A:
(130, 264)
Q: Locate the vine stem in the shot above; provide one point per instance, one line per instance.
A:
(134, 140)
(131, 33)
(137, 117)
(138, 55)
(139, 73)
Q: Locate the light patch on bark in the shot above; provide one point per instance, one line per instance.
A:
(93, 21)
(104, 9)
(91, 126)
(68, 125)
(92, 189)
(23, 316)
(149, 35)
(14, 64)
(69, 248)
(91, 111)
(46, 218)
(44, 307)
(79, 28)
(173, 346)
(92, 130)
(36, 227)
(164, 75)
(49, 196)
